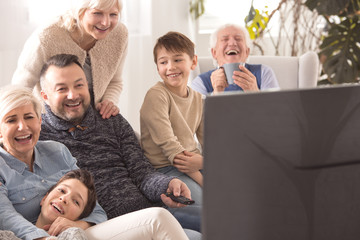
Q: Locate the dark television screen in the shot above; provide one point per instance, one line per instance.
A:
(283, 165)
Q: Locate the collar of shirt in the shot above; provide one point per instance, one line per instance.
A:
(60, 124)
(18, 165)
(13, 162)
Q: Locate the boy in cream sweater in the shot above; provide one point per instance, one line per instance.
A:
(172, 115)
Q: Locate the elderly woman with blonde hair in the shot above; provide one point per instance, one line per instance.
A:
(90, 29)
(28, 168)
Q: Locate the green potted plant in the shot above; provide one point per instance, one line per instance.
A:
(340, 47)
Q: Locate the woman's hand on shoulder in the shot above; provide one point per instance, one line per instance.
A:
(107, 109)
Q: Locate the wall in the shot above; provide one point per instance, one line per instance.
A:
(16, 28)
(146, 19)
(140, 70)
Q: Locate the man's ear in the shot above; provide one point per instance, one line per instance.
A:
(247, 52)
(44, 96)
(43, 199)
(213, 53)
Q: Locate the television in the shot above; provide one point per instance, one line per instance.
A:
(282, 165)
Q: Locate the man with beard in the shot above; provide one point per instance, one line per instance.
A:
(124, 178)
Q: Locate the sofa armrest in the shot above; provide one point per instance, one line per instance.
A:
(308, 70)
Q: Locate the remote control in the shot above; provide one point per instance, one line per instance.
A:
(180, 199)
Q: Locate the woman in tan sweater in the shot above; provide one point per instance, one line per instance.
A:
(91, 31)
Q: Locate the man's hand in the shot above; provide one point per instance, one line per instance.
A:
(61, 224)
(107, 109)
(177, 187)
(188, 162)
(218, 80)
(245, 79)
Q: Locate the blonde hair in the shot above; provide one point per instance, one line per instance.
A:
(13, 96)
(71, 19)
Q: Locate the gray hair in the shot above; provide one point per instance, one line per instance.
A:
(71, 19)
(214, 36)
(14, 96)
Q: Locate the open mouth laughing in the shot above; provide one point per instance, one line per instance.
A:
(57, 208)
(23, 138)
(232, 52)
(73, 105)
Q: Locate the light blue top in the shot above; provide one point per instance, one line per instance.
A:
(268, 81)
(21, 190)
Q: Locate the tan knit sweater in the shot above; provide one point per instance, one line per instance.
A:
(169, 123)
(107, 59)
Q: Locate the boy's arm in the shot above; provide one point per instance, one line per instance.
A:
(197, 177)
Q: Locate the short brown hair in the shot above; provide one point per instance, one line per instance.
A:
(175, 42)
(86, 178)
(60, 61)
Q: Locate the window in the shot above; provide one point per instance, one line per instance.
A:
(229, 11)
(287, 32)
(41, 11)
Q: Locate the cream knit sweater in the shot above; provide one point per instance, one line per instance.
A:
(107, 59)
(169, 123)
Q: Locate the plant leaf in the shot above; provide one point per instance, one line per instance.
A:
(255, 22)
(334, 7)
(342, 50)
(251, 15)
(197, 8)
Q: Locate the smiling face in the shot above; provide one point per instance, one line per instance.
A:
(230, 46)
(99, 23)
(66, 92)
(174, 69)
(68, 199)
(20, 130)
